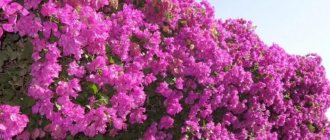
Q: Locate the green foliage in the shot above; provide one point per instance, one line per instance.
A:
(93, 88)
(15, 62)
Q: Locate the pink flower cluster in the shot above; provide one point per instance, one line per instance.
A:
(11, 10)
(12, 122)
(103, 66)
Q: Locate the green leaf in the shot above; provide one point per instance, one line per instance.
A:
(103, 100)
(3, 58)
(146, 71)
(12, 53)
(22, 72)
(82, 98)
(69, 137)
(53, 39)
(4, 78)
(93, 88)
(98, 137)
(8, 95)
(27, 101)
(27, 52)
(311, 128)
(82, 137)
(227, 68)
(287, 96)
(115, 60)
(111, 60)
(15, 37)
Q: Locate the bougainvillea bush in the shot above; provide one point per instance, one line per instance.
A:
(150, 70)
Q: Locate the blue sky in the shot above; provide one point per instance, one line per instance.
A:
(299, 26)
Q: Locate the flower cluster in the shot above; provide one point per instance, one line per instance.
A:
(11, 121)
(106, 67)
(11, 10)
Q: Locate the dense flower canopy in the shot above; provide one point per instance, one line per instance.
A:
(159, 69)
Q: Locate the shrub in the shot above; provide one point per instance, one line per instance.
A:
(156, 69)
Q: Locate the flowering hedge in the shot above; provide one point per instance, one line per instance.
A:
(155, 69)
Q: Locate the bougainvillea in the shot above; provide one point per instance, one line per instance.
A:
(11, 121)
(159, 69)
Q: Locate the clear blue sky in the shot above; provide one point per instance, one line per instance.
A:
(299, 26)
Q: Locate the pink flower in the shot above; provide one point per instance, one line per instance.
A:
(12, 8)
(3, 3)
(32, 22)
(138, 116)
(69, 88)
(12, 122)
(28, 4)
(49, 9)
(166, 122)
(23, 136)
(179, 83)
(76, 70)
